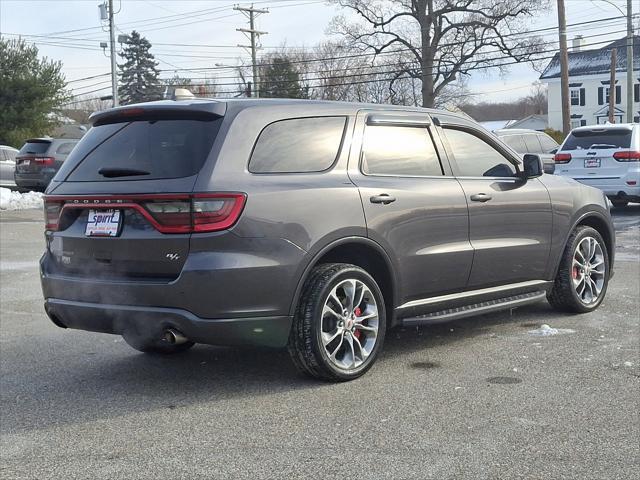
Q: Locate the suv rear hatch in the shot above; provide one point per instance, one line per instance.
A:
(590, 155)
(33, 156)
(122, 204)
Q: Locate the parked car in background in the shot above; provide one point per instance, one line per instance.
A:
(524, 141)
(306, 224)
(7, 166)
(606, 157)
(39, 159)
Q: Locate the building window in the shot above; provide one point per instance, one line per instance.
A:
(575, 124)
(583, 123)
(575, 96)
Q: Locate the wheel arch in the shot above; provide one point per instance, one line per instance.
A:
(602, 225)
(366, 254)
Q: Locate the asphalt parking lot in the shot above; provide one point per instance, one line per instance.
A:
(475, 399)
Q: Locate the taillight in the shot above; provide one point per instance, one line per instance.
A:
(562, 157)
(213, 212)
(44, 161)
(168, 213)
(52, 209)
(627, 156)
(174, 216)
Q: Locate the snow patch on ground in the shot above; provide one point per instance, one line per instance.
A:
(10, 200)
(545, 331)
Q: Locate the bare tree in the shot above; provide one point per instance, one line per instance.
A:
(442, 39)
(537, 99)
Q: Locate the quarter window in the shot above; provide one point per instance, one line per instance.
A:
(298, 145)
(65, 148)
(532, 143)
(399, 151)
(476, 158)
(547, 143)
(516, 142)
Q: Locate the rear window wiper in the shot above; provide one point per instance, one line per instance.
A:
(122, 172)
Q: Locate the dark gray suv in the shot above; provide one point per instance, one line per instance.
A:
(312, 225)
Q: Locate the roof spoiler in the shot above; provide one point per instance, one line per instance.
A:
(205, 110)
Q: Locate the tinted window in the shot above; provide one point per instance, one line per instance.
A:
(547, 143)
(476, 158)
(298, 145)
(34, 148)
(587, 139)
(65, 148)
(399, 151)
(516, 142)
(532, 143)
(152, 148)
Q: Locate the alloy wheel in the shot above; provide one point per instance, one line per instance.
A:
(588, 270)
(350, 322)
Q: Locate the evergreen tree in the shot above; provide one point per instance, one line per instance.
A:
(31, 90)
(280, 79)
(139, 73)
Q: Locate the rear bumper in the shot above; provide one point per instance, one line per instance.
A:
(33, 180)
(153, 321)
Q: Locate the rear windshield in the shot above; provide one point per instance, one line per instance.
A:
(141, 150)
(34, 148)
(598, 139)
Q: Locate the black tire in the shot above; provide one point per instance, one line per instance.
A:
(305, 342)
(563, 296)
(617, 203)
(154, 345)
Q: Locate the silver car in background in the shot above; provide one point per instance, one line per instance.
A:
(524, 141)
(7, 166)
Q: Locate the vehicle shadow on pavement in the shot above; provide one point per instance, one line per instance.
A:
(109, 380)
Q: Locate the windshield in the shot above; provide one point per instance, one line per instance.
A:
(598, 139)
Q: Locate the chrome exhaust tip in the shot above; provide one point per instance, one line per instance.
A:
(174, 337)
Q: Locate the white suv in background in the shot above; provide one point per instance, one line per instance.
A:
(606, 157)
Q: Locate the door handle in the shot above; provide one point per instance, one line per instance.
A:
(480, 197)
(383, 198)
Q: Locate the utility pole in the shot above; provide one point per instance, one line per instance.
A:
(112, 41)
(253, 35)
(612, 86)
(564, 69)
(629, 64)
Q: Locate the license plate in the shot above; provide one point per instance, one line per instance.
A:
(591, 163)
(103, 223)
(26, 163)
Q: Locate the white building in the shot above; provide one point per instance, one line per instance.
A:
(589, 78)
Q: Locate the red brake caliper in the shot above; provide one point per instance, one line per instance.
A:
(574, 273)
(357, 313)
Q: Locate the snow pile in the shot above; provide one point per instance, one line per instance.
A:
(545, 331)
(10, 200)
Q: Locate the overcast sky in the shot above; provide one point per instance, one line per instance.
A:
(70, 31)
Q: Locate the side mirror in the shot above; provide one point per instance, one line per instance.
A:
(532, 166)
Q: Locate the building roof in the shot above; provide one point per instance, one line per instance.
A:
(537, 117)
(597, 61)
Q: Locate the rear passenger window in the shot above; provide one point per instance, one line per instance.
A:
(400, 151)
(298, 145)
(476, 158)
